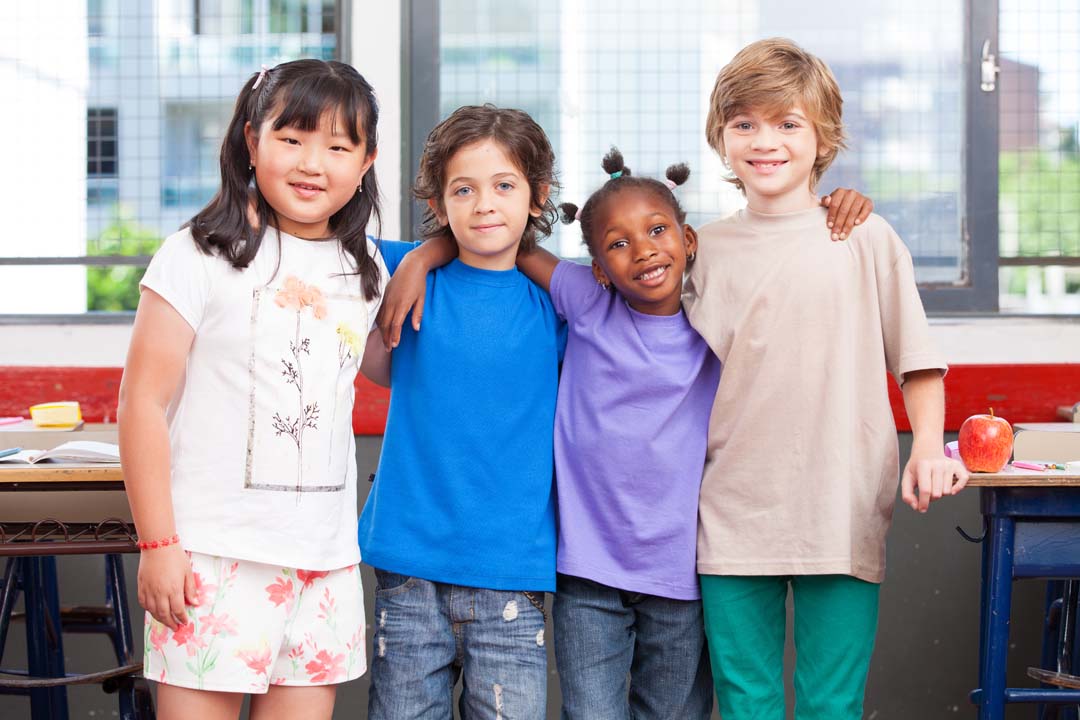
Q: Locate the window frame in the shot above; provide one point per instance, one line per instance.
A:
(978, 290)
(342, 52)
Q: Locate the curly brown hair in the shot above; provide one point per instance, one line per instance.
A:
(520, 137)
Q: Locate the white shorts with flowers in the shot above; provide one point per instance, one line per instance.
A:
(258, 625)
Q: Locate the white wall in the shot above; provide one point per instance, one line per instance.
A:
(43, 58)
(376, 54)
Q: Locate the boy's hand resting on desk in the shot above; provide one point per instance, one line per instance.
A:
(930, 476)
(405, 292)
(847, 208)
(166, 585)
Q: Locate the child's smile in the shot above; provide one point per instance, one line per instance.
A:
(773, 156)
(640, 247)
(307, 175)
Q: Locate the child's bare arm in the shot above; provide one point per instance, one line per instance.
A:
(156, 358)
(538, 265)
(376, 361)
(928, 475)
(847, 208)
(407, 288)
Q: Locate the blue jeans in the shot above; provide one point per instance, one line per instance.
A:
(626, 655)
(428, 634)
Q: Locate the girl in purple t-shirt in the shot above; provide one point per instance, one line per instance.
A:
(630, 432)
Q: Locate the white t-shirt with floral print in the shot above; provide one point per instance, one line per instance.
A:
(260, 429)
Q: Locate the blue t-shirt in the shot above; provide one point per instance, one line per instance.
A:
(464, 490)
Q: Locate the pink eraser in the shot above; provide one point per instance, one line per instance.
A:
(952, 450)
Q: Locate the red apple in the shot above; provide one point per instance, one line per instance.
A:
(985, 443)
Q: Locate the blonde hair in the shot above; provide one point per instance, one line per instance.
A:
(773, 76)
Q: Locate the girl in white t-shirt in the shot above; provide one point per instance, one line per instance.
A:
(236, 408)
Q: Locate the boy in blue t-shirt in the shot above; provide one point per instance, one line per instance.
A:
(459, 524)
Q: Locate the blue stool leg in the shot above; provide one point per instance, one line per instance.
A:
(9, 593)
(1066, 634)
(132, 702)
(1051, 631)
(44, 642)
(116, 598)
(996, 609)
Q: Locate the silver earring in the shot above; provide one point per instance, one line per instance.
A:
(690, 257)
(359, 189)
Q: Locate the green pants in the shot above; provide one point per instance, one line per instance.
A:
(745, 622)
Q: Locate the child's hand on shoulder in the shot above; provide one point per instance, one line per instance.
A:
(929, 476)
(405, 292)
(847, 208)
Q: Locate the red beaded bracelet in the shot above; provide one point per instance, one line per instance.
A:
(155, 544)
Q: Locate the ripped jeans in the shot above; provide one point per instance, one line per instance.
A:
(428, 634)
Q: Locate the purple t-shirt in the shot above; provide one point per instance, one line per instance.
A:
(630, 432)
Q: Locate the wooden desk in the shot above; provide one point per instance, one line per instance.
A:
(1032, 523)
(61, 476)
(55, 533)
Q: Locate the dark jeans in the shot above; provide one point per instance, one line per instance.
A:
(626, 655)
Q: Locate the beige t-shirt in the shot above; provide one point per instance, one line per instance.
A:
(802, 464)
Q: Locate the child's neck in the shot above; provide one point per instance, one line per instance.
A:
(482, 261)
(781, 204)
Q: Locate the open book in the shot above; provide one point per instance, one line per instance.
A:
(76, 451)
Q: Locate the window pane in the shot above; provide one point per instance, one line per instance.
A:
(132, 100)
(639, 76)
(1039, 191)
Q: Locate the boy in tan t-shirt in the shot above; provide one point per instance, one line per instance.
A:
(800, 475)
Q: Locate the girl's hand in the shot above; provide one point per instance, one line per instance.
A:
(933, 476)
(166, 584)
(847, 208)
(405, 291)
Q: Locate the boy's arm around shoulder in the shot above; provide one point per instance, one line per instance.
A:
(407, 288)
(538, 265)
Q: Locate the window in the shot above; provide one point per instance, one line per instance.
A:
(1039, 181)
(924, 138)
(156, 83)
(101, 139)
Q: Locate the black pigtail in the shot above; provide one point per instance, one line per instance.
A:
(678, 173)
(613, 163)
(569, 213)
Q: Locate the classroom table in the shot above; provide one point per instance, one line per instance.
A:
(32, 547)
(1032, 530)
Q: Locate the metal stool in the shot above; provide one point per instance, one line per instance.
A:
(45, 679)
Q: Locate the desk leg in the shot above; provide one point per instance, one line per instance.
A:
(997, 604)
(9, 592)
(44, 643)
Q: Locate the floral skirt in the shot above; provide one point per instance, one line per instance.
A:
(256, 625)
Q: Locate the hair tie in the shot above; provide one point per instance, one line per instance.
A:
(671, 184)
(577, 215)
(258, 80)
(617, 174)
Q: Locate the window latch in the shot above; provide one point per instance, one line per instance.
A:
(990, 68)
